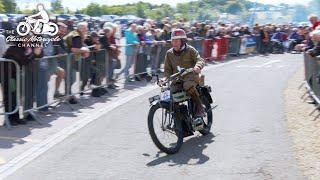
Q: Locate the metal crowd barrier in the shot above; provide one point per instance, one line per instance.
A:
(252, 44)
(221, 48)
(234, 44)
(208, 45)
(9, 71)
(258, 43)
(197, 43)
(312, 78)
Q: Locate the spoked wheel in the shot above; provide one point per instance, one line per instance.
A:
(208, 119)
(166, 132)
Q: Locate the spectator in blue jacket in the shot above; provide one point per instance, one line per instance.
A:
(295, 35)
(294, 38)
(278, 36)
(131, 50)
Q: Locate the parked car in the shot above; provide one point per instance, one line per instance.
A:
(66, 17)
(15, 17)
(109, 18)
(3, 17)
(82, 17)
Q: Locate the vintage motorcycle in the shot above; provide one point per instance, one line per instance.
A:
(172, 114)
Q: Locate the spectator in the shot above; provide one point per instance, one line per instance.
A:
(211, 33)
(201, 29)
(265, 40)
(166, 33)
(315, 36)
(278, 39)
(75, 41)
(113, 52)
(193, 33)
(295, 35)
(278, 36)
(70, 24)
(47, 67)
(244, 31)
(144, 51)
(75, 44)
(96, 64)
(235, 32)
(59, 49)
(3, 45)
(153, 35)
(314, 21)
(131, 50)
(306, 43)
(294, 39)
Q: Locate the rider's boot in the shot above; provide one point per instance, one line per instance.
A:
(195, 96)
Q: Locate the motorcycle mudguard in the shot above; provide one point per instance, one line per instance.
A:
(159, 101)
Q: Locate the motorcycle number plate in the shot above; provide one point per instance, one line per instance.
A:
(165, 96)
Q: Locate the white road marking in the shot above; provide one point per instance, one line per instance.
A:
(269, 63)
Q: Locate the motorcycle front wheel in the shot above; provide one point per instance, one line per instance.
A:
(165, 130)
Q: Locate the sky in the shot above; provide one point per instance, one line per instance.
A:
(74, 4)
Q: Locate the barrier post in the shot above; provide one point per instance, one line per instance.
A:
(10, 86)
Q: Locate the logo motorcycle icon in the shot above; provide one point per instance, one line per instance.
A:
(39, 25)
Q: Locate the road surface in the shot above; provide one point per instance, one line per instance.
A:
(249, 139)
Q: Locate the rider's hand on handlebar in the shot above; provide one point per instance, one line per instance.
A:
(161, 82)
(197, 70)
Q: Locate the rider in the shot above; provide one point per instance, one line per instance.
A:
(44, 17)
(183, 55)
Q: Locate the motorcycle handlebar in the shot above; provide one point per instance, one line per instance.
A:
(181, 73)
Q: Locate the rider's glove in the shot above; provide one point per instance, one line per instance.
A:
(160, 82)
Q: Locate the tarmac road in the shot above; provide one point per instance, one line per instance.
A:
(249, 139)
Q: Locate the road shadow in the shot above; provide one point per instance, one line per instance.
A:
(192, 149)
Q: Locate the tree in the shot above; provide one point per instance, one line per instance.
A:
(56, 6)
(184, 10)
(9, 6)
(93, 9)
(166, 10)
(234, 7)
(2, 10)
(155, 14)
(140, 10)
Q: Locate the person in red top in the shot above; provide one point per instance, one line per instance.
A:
(314, 21)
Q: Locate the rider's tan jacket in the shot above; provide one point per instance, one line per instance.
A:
(187, 59)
